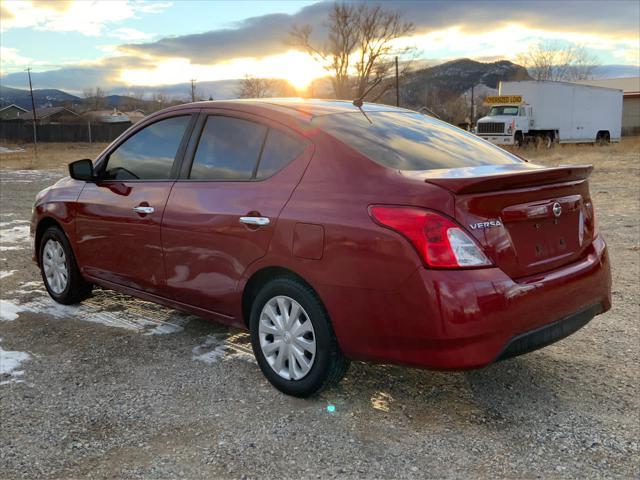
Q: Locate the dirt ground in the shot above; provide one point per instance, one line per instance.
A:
(47, 156)
(119, 388)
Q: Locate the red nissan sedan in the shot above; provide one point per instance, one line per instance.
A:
(332, 233)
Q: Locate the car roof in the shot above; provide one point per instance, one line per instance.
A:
(300, 108)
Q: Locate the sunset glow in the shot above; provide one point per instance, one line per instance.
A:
(298, 68)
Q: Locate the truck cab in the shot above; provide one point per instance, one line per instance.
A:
(506, 124)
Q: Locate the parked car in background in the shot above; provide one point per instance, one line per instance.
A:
(332, 233)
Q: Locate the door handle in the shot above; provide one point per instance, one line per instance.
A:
(257, 221)
(143, 210)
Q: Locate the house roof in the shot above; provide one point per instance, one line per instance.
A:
(13, 105)
(628, 85)
(47, 112)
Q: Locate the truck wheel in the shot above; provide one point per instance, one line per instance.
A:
(518, 140)
(602, 139)
(544, 142)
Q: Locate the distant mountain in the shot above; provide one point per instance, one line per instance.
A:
(616, 71)
(47, 97)
(452, 79)
(218, 90)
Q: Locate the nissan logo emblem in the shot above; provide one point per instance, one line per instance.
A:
(557, 209)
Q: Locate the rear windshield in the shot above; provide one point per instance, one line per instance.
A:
(411, 141)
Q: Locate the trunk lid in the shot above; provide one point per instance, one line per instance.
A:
(528, 218)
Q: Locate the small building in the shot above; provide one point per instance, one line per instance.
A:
(53, 116)
(630, 87)
(136, 115)
(11, 112)
(106, 116)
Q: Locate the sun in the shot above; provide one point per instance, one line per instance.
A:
(296, 67)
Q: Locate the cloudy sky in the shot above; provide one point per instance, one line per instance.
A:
(79, 44)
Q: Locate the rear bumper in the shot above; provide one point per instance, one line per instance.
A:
(548, 334)
(468, 319)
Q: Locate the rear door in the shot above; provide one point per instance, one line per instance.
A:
(239, 172)
(119, 216)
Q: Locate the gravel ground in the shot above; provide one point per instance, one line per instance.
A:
(119, 388)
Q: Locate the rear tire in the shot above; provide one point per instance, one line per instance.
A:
(59, 270)
(283, 309)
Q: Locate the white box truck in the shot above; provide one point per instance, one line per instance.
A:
(545, 113)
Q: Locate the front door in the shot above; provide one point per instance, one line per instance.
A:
(221, 216)
(119, 216)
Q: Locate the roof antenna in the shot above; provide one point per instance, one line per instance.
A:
(358, 102)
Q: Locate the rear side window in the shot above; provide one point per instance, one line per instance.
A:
(412, 141)
(149, 153)
(228, 149)
(279, 150)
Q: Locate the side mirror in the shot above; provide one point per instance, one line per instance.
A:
(82, 170)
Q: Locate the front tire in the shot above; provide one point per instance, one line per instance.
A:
(59, 270)
(293, 340)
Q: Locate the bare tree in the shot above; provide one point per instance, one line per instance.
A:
(94, 98)
(252, 87)
(551, 61)
(359, 49)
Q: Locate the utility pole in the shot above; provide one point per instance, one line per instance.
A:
(193, 89)
(33, 109)
(397, 85)
(473, 108)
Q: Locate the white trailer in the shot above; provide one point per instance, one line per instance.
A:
(552, 112)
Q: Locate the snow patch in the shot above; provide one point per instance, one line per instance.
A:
(105, 308)
(6, 273)
(10, 362)
(217, 347)
(9, 311)
(29, 176)
(211, 350)
(14, 235)
(11, 150)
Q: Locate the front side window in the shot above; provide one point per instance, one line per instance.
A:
(228, 149)
(149, 153)
(411, 141)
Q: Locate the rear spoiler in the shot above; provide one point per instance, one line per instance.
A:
(504, 177)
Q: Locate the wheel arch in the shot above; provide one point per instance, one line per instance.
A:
(43, 225)
(259, 279)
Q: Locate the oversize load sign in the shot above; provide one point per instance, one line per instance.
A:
(500, 99)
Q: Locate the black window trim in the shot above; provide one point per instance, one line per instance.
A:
(190, 153)
(103, 161)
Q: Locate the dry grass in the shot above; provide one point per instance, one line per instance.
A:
(584, 153)
(49, 155)
(58, 155)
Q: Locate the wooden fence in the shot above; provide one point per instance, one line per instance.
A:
(22, 132)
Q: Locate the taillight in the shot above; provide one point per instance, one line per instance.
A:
(440, 242)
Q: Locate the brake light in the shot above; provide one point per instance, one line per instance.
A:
(440, 242)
